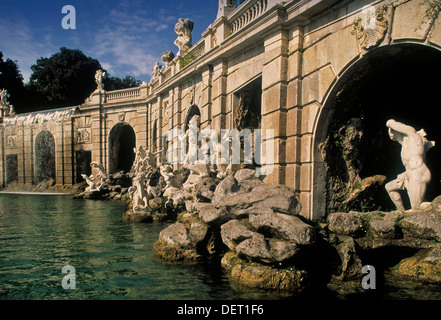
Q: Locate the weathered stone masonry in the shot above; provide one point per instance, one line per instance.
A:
(299, 54)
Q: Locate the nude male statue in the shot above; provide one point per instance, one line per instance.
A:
(417, 175)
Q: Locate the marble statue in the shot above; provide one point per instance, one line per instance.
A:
(414, 180)
(96, 183)
(91, 185)
(4, 95)
(144, 160)
(192, 135)
(102, 175)
(6, 108)
(183, 29)
(156, 70)
(138, 194)
(99, 77)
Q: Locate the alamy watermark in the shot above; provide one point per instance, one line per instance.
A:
(69, 280)
(369, 280)
(69, 21)
(230, 147)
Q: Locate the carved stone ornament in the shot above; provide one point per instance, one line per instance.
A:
(183, 29)
(83, 135)
(191, 95)
(11, 141)
(371, 28)
(167, 57)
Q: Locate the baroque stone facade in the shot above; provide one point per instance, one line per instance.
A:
(291, 59)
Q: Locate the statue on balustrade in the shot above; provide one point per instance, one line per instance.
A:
(183, 29)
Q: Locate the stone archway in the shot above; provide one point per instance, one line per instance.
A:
(122, 141)
(44, 157)
(395, 81)
(193, 111)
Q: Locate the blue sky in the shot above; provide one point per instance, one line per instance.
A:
(126, 36)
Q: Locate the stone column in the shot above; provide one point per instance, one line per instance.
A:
(219, 97)
(141, 125)
(27, 138)
(207, 75)
(68, 152)
(274, 93)
(96, 137)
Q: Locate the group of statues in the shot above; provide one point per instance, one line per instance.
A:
(183, 29)
(152, 181)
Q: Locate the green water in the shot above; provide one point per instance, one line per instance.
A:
(39, 235)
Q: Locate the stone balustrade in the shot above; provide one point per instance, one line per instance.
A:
(124, 94)
(195, 52)
(246, 13)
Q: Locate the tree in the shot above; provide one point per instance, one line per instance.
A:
(11, 79)
(65, 79)
(115, 83)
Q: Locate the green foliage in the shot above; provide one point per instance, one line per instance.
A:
(11, 79)
(66, 78)
(115, 83)
(433, 8)
(187, 59)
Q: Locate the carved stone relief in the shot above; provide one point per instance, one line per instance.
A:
(371, 28)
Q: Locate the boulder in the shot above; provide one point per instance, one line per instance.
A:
(245, 174)
(197, 233)
(137, 216)
(176, 235)
(226, 187)
(345, 223)
(260, 200)
(205, 189)
(424, 225)
(175, 254)
(385, 225)
(233, 232)
(283, 226)
(436, 204)
(281, 250)
(351, 265)
(209, 214)
(264, 277)
(255, 248)
(424, 266)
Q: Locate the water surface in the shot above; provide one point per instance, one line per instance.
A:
(39, 235)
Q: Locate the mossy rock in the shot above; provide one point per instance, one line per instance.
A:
(263, 277)
(174, 253)
(424, 266)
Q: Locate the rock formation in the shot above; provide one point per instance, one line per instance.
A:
(265, 244)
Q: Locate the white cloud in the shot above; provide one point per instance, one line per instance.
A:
(130, 38)
(18, 43)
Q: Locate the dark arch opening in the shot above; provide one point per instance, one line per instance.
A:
(155, 135)
(394, 82)
(44, 157)
(194, 110)
(122, 141)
